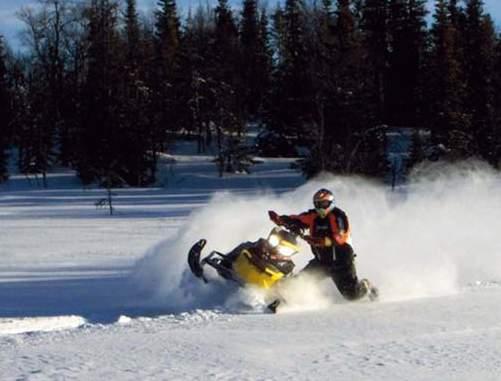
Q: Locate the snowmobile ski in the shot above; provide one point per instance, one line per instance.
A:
(369, 290)
(373, 294)
(274, 305)
(194, 259)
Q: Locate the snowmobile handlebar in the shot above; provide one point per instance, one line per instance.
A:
(294, 227)
(291, 226)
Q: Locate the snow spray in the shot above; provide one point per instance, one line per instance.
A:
(428, 238)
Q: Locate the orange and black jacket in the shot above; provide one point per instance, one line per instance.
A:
(328, 232)
(334, 226)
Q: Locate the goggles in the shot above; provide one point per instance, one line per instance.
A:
(324, 204)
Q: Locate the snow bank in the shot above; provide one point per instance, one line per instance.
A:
(39, 324)
(427, 239)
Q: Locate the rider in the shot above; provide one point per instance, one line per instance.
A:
(330, 243)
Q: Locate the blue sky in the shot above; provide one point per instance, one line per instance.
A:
(10, 25)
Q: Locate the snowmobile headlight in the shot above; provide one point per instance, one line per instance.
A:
(274, 240)
(286, 251)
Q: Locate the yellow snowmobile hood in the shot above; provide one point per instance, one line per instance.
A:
(251, 274)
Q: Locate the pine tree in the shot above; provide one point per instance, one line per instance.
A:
(254, 57)
(5, 114)
(497, 107)
(198, 62)
(293, 95)
(479, 40)
(264, 61)
(363, 143)
(374, 26)
(322, 41)
(249, 32)
(167, 71)
(348, 70)
(99, 156)
(278, 35)
(226, 44)
(55, 72)
(18, 101)
(135, 124)
(228, 111)
(446, 76)
(167, 34)
(407, 35)
(38, 133)
(133, 40)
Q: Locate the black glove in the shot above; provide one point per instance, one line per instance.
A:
(275, 217)
(314, 241)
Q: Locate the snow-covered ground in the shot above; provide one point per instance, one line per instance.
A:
(88, 296)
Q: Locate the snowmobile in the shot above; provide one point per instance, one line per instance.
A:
(262, 264)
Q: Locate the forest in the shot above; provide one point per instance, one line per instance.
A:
(105, 89)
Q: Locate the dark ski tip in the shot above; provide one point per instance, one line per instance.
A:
(194, 259)
(274, 305)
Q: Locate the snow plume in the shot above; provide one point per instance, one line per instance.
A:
(436, 235)
(428, 238)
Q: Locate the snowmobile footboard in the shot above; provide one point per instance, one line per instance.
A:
(194, 259)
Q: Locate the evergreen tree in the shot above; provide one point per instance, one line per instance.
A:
(100, 129)
(254, 57)
(322, 41)
(278, 36)
(264, 60)
(72, 100)
(226, 46)
(167, 36)
(293, 94)
(228, 111)
(18, 100)
(135, 124)
(249, 37)
(133, 33)
(479, 49)
(446, 86)
(374, 26)
(198, 62)
(167, 71)
(407, 33)
(5, 114)
(497, 106)
(36, 132)
(363, 144)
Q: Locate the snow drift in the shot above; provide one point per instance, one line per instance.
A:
(429, 238)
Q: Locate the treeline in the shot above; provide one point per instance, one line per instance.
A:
(102, 90)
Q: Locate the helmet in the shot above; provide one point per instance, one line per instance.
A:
(282, 242)
(323, 200)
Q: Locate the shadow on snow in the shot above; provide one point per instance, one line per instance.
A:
(100, 295)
